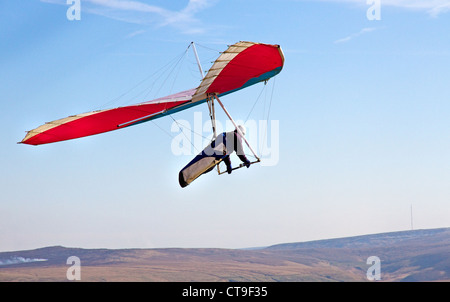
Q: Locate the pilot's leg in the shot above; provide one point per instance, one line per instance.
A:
(227, 161)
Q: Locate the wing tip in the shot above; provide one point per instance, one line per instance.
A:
(24, 142)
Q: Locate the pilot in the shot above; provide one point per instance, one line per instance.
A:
(233, 142)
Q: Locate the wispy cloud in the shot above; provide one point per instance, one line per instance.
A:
(183, 20)
(136, 33)
(355, 35)
(432, 7)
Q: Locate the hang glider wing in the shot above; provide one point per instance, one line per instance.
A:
(101, 121)
(241, 65)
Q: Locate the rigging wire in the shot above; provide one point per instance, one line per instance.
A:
(208, 48)
(264, 115)
(181, 128)
(256, 101)
(172, 70)
(195, 63)
(174, 66)
(157, 74)
(268, 115)
(162, 129)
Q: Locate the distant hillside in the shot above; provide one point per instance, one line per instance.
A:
(420, 255)
(370, 241)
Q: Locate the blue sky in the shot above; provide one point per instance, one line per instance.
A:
(362, 108)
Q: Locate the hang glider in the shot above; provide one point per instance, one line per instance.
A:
(241, 65)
